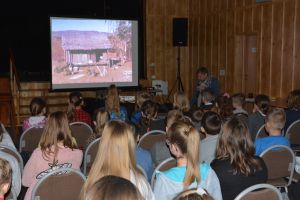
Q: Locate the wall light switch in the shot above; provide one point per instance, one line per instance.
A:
(222, 72)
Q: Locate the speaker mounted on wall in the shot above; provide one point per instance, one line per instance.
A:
(180, 32)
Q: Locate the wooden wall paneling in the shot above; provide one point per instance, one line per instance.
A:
(265, 48)
(223, 48)
(208, 41)
(230, 52)
(288, 45)
(277, 25)
(215, 44)
(239, 43)
(297, 48)
(248, 20)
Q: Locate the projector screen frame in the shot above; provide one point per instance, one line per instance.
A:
(140, 53)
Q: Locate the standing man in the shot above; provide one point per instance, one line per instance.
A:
(204, 81)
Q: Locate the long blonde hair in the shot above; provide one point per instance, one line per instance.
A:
(101, 118)
(187, 138)
(112, 103)
(181, 102)
(116, 154)
(56, 130)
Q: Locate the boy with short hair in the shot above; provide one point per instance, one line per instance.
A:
(238, 102)
(5, 177)
(275, 121)
(210, 125)
(207, 99)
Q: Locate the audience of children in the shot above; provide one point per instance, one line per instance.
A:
(236, 165)
(137, 114)
(257, 118)
(219, 166)
(99, 120)
(112, 105)
(274, 125)
(5, 138)
(116, 156)
(211, 126)
(112, 188)
(293, 108)
(183, 141)
(38, 113)
(75, 109)
(57, 150)
(193, 194)
(149, 119)
(5, 178)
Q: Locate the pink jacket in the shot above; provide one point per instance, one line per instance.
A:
(37, 166)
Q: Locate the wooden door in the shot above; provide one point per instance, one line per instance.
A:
(245, 64)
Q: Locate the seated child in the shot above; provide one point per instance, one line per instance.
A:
(207, 99)
(38, 114)
(113, 188)
(224, 107)
(292, 112)
(183, 141)
(137, 114)
(257, 118)
(149, 119)
(112, 105)
(75, 109)
(274, 124)
(238, 102)
(193, 194)
(5, 178)
(196, 118)
(181, 102)
(211, 126)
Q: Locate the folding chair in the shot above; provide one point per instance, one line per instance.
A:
(280, 161)
(163, 166)
(90, 155)
(14, 153)
(293, 134)
(81, 132)
(142, 170)
(30, 139)
(60, 184)
(261, 132)
(260, 191)
(150, 138)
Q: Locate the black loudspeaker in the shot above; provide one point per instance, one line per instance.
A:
(180, 31)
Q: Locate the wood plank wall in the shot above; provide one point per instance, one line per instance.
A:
(213, 26)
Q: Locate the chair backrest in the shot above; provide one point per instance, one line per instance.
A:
(280, 161)
(30, 139)
(150, 138)
(13, 153)
(260, 191)
(81, 132)
(90, 155)
(261, 132)
(60, 184)
(293, 133)
(163, 166)
(142, 170)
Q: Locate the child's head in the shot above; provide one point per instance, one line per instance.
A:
(181, 102)
(293, 101)
(193, 194)
(275, 121)
(262, 103)
(5, 177)
(117, 142)
(197, 115)
(113, 188)
(207, 96)
(238, 100)
(112, 103)
(37, 106)
(149, 110)
(57, 130)
(173, 116)
(225, 108)
(183, 141)
(211, 123)
(76, 99)
(141, 98)
(100, 118)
